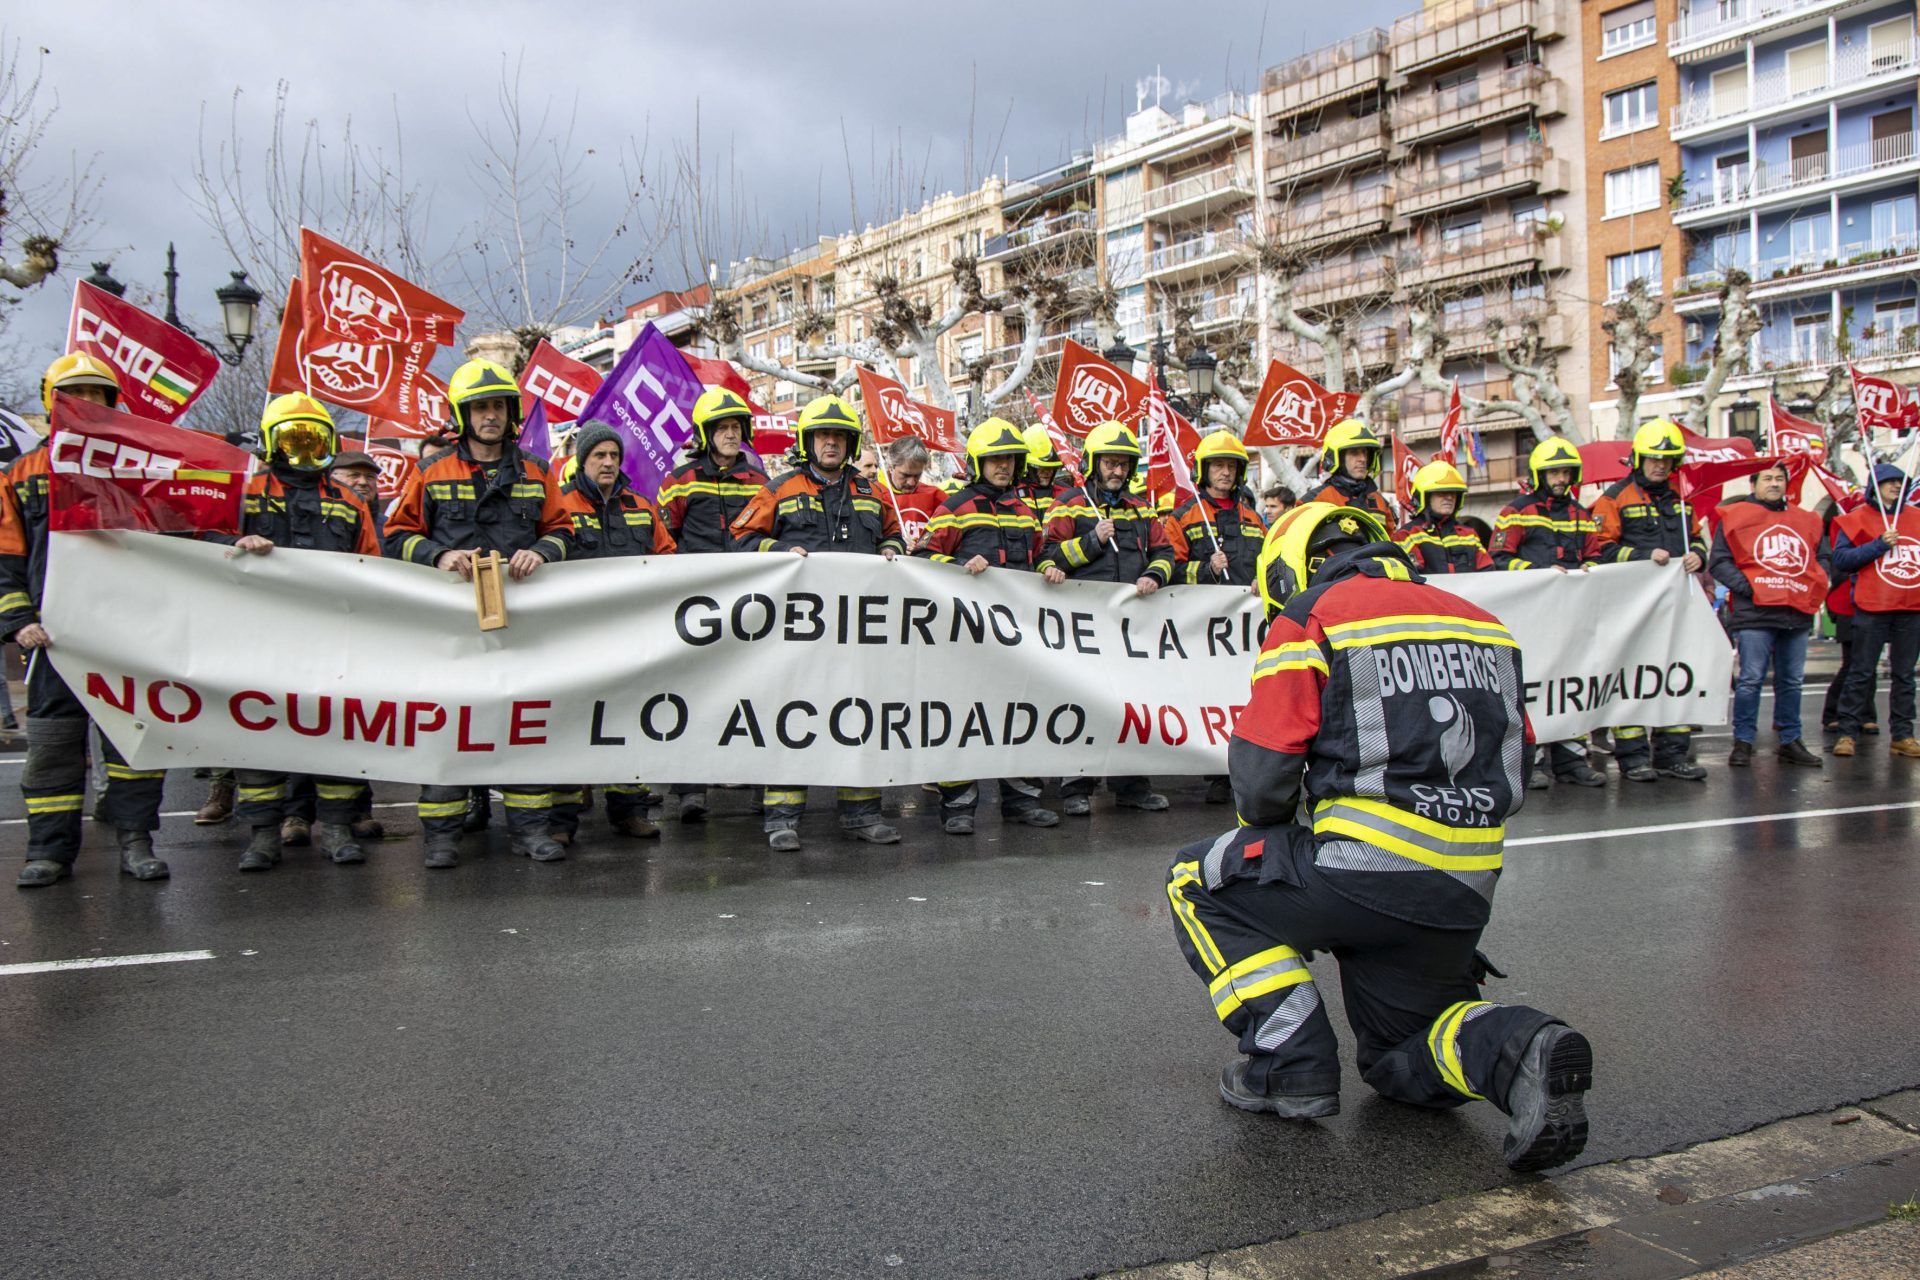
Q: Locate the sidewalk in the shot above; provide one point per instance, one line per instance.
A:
(1800, 1198)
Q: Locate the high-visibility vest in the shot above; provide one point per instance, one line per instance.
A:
(1889, 583)
(1778, 551)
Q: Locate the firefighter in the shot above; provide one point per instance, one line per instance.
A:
(1643, 518)
(822, 505)
(1434, 538)
(53, 780)
(482, 495)
(1102, 532)
(988, 525)
(1350, 459)
(701, 500)
(1041, 488)
(295, 504)
(1216, 535)
(1547, 528)
(1405, 744)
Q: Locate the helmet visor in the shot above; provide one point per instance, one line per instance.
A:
(306, 445)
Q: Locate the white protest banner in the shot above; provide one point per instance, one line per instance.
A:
(828, 669)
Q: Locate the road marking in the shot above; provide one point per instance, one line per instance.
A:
(1747, 820)
(105, 962)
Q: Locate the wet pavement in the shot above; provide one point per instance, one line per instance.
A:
(950, 1057)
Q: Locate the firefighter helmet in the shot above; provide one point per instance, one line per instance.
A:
(1040, 450)
(1224, 446)
(478, 380)
(1553, 455)
(299, 429)
(1302, 539)
(996, 438)
(828, 413)
(1112, 439)
(1659, 439)
(716, 406)
(1348, 435)
(77, 369)
(1437, 476)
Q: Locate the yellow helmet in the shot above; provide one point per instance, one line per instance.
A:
(1040, 450)
(78, 369)
(1551, 455)
(1659, 439)
(299, 429)
(1350, 433)
(828, 413)
(1114, 439)
(1438, 476)
(1300, 541)
(718, 405)
(1220, 445)
(478, 380)
(996, 438)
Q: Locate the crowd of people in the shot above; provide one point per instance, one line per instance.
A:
(1016, 508)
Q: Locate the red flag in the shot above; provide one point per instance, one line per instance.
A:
(381, 380)
(1166, 453)
(1294, 409)
(1406, 463)
(115, 470)
(162, 370)
(893, 414)
(1787, 434)
(1450, 426)
(1836, 488)
(1070, 456)
(1091, 391)
(563, 383)
(721, 373)
(393, 465)
(1883, 404)
(349, 298)
(1604, 461)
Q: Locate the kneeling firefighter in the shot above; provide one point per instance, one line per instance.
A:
(1392, 710)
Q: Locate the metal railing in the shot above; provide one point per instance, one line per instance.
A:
(1825, 348)
(1225, 179)
(1060, 224)
(1341, 279)
(1749, 182)
(1487, 92)
(1718, 19)
(1470, 323)
(1356, 48)
(1292, 150)
(1510, 164)
(1307, 221)
(1812, 262)
(1781, 87)
(1448, 250)
(1186, 252)
(1451, 13)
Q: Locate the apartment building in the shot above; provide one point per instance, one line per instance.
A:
(770, 295)
(1052, 227)
(675, 312)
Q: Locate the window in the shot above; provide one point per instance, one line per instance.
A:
(759, 350)
(1889, 44)
(1627, 28)
(1895, 316)
(1460, 234)
(1807, 154)
(1728, 91)
(1730, 176)
(1806, 236)
(1811, 334)
(1641, 264)
(1891, 134)
(1528, 209)
(1893, 223)
(1807, 68)
(1631, 109)
(1371, 180)
(783, 345)
(1633, 190)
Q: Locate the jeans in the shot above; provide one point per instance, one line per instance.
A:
(1786, 653)
(1872, 632)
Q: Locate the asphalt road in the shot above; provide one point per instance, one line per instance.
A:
(946, 1058)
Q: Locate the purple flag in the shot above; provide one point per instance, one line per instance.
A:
(535, 439)
(648, 400)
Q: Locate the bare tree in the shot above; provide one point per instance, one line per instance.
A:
(43, 207)
(1630, 328)
(1739, 323)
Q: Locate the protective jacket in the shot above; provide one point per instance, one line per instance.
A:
(24, 499)
(805, 509)
(1637, 517)
(1236, 524)
(1885, 580)
(984, 520)
(1041, 497)
(1138, 532)
(618, 524)
(305, 511)
(1538, 531)
(1442, 546)
(1344, 491)
(453, 503)
(1774, 563)
(1393, 708)
(700, 502)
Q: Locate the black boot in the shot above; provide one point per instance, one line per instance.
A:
(479, 811)
(1546, 1111)
(1235, 1092)
(1742, 755)
(38, 873)
(336, 841)
(136, 856)
(443, 851)
(1796, 752)
(263, 852)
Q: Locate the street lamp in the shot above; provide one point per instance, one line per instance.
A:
(1201, 364)
(102, 279)
(239, 309)
(1743, 418)
(1121, 355)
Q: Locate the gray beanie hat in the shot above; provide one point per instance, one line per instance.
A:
(595, 433)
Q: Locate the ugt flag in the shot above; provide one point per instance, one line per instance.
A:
(648, 400)
(113, 470)
(1294, 409)
(348, 298)
(162, 370)
(385, 381)
(892, 413)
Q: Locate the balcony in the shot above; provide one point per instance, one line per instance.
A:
(1706, 26)
(1198, 195)
(1453, 29)
(1502, 251)
(1525, 167)
(1419, 114)
(1054, 232)
(1334, 283)
(1421, 411)
(1049, 346)
(1298, 156)
(1210, 253)
(1742, 187)
(1353, 66)
(1820, 352)
(1819, 269)
(1342, 217)
(1855, 67)
(1472, 329)
(1208, 314)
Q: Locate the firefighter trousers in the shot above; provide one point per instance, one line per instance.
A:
(1017, 795)
(1124, 788)
(263, 799)
(1423, 1034)
(1636, 745)
(624, 800)
(53, 779)
(859, 807)
(444, 809)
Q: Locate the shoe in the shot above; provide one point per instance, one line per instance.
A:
(1871, 728)
(136, 856)
(1742, 754)
(1035, 817)
(960, 824)
(875, 833)
(38, 873)
(1539, 780)
(1831, 726)
(219, 805)
(1220, 791)
(1639, 773)
(368, 829)
(539, 848)
(1076, 806)
(1145, 801)
(1796, 752)
(295, 832)
(693, 807)
(1686, 771)
(1288, 1106)
(561, 836)
(1904, 747)
(1601, 740)
(1546, 1113)
(263, 851)
(479, 812)
(442, 852)
(636, 827)
(336, 841)
(785, 840)
(9, 725)
(1582, 774)
(1844, 747)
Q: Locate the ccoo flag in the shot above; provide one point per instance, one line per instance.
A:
(162, 370)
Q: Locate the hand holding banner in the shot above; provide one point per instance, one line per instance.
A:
(113, 470)
(1294, 409)
(162, 369)
(892, 414)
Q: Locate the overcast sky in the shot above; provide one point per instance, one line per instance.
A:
(774, 81)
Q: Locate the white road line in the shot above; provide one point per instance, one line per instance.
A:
(105, 962)
(1747, 820)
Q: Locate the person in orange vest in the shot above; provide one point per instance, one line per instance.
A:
(1773, 561)
(1878, 543)
(1350, 459)
(1840, 610)
(914, 500)
(1216, 535)
(1435, 539)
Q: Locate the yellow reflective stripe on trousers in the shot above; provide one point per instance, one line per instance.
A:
(1444, 1043)
(1184, 874)
(249, 795)
(779, 796)
(855, 795)
(528, 799)
(442, 808)
(125, 773)
(1430, 843)
(52, 804)
(1256, 976)
(328, 791)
